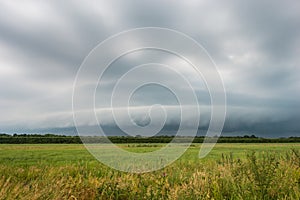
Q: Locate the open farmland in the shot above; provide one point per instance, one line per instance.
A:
(230, 171)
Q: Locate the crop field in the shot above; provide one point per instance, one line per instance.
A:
(230, 171)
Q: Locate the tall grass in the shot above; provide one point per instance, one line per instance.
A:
(261, 175)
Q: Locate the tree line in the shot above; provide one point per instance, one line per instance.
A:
(63, 139)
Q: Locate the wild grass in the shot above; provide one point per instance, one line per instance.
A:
(231, 171)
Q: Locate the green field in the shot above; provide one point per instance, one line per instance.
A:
(230, 171)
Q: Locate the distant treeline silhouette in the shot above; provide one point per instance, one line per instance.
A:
(63, 139)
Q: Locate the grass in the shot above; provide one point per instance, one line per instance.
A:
(230, 171)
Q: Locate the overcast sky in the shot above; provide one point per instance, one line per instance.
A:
(255, 44)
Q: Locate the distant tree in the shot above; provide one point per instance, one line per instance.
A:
(4, 135)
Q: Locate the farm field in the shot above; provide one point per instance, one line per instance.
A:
(230, 171)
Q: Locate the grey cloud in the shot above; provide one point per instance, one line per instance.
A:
(255, 45)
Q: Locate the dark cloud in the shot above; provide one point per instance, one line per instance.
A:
(255, 45)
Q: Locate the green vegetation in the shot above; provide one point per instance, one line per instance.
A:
(231, 171)
(62, 139)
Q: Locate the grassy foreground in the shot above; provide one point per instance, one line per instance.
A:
(231, 171)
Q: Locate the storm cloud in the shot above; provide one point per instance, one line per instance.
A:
(255, 44)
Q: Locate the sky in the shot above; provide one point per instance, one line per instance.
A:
(255, 45)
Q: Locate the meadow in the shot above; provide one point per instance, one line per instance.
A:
(230, 171)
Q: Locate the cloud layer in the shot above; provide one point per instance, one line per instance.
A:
(255, 44)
